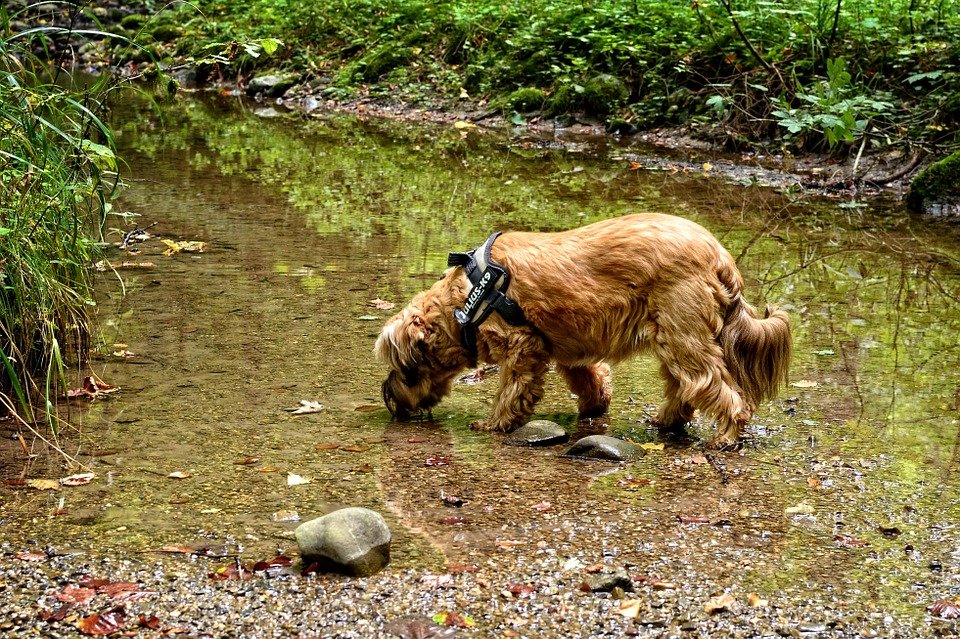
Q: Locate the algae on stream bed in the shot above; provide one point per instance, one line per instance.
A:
(307, 222)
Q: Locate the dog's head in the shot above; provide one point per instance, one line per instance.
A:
(413, 346)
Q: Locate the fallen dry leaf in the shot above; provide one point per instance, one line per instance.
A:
(178, 474)
(76, 594)
(296, 480)
(327, 446)
(720, 603)
(543, 506)
(191, 246)
(77, 480)
(105, 623)
(651, 446)
(630, 608)
(43, 484)
(247, 461)
(437, 581)
(306, 407)
(436, 460)
(355, 448)
(805, 383)
(945, 608)
(31, 556)
(379, 304)
(454, 619)
(756, 601)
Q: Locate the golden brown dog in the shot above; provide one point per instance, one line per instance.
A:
(598, 294)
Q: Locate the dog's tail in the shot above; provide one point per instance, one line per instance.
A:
(756, 350)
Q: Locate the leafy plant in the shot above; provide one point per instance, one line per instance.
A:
(832, 110)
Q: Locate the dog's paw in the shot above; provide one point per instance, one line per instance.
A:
(724, 444)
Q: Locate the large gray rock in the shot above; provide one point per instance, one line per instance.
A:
(354, 541)
(272, 86)
(605, 448)
(539, 432)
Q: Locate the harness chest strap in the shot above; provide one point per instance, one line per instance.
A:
(488, 285)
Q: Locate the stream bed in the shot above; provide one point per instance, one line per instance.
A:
(838, 517)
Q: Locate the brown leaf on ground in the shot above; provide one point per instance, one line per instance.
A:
(436, 460)
(521, 590)
(437, 581)
(355, 448)
(76, 594)
(151, 623)
(247, 461)
(326, 446)
(105, 623)
(945, 608)
(720, 603)
(460, 568)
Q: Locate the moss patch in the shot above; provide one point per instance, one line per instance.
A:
(526, 100)
(939, 182)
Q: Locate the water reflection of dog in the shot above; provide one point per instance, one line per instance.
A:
(597, 294)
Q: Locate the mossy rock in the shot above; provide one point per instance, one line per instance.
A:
(604, 94)
(166, 33)
(134, 21)
(936, 186)
(564, 99)
(526, 100)
(382, 60)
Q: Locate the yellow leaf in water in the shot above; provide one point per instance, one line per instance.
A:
(651, 446)
(184, 247)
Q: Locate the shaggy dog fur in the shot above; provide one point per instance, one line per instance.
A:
(599, 294)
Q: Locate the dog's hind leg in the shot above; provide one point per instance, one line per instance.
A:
(591, 384)
(687, 346)
(674, 413)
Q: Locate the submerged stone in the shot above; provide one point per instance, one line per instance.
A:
(354, 541)
(606, 448)
(539, 432)
(607, 580)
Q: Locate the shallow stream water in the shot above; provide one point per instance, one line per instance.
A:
(846, 487)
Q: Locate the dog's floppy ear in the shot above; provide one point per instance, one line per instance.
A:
(402, 342)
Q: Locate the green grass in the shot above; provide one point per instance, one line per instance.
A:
(57, 173)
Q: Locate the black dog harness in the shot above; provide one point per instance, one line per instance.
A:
(487, 293)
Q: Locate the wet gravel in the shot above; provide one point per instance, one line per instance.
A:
(517, 595)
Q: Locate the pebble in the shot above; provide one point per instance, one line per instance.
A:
(539, 432)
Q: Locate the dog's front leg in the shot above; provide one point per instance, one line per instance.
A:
(522, 374)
